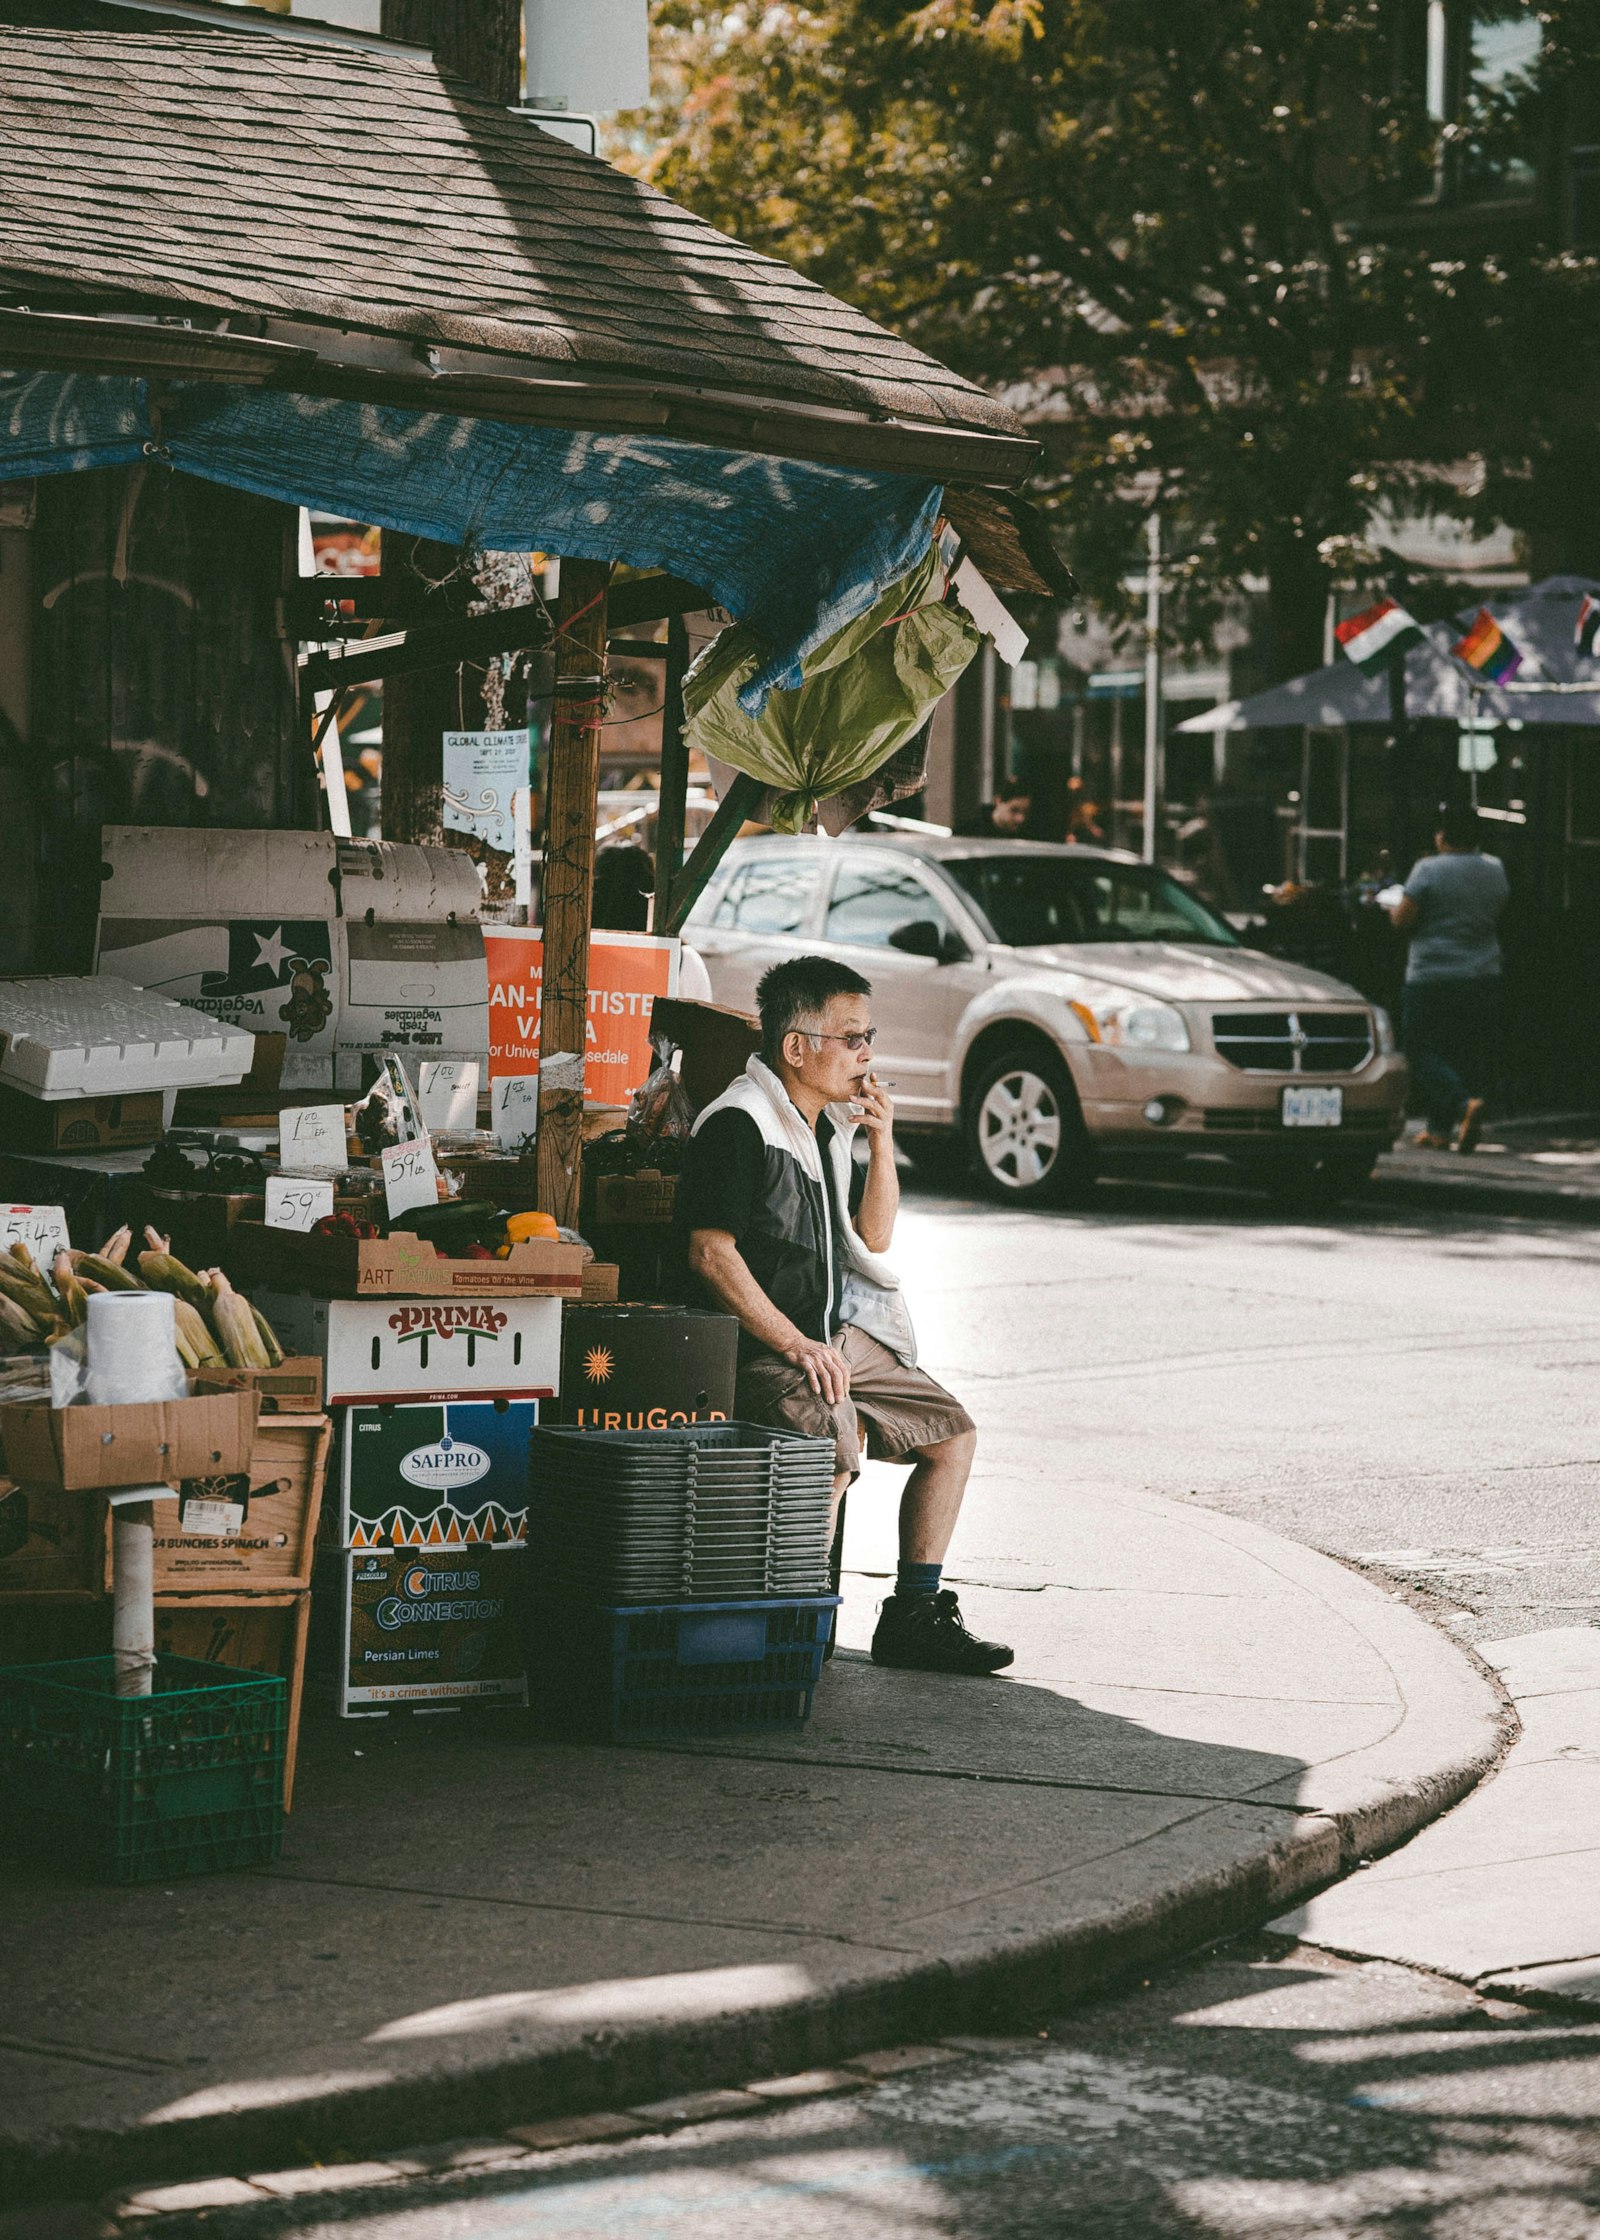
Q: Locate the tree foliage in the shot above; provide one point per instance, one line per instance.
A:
(1191, 238)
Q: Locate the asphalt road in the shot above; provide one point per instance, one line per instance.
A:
(1408, 1392)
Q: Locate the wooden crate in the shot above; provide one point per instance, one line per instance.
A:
(52, 1544)
(250, 1633)
(274, 1552)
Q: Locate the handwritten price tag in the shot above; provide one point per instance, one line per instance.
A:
(447, 1093)
(514, 1105)
(311, 1137)
(410, 1176)
(43, 1229)
(294, 1203)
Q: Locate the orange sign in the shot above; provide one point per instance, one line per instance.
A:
(627, 971)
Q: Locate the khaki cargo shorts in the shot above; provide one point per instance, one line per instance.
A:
(903, 1409)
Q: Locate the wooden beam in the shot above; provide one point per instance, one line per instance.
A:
(569, 886)
(432, 645)
(736, 807)
(672, 802)
(654, 599)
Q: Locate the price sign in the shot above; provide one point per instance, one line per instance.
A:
(410, 1177)
(296, 1203)
(514, 1102)
(447, 1093)
(43, 1229)
(312, 1137)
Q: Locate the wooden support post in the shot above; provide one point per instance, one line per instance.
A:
(569, 884)
(672, 808)
(738, 804)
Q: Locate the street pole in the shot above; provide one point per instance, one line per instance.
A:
(1153, 741)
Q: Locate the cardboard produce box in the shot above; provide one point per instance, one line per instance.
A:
(433, 1626)
(401, 1266)
(156, 1442)
(423, 1349)
(52, 1545)
(293, 1388)
(79, 1123)
(452, 1476)
(274, 1544)
(638, 1368)
(648, 1195)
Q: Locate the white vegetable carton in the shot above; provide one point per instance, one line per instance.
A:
(65, 1036)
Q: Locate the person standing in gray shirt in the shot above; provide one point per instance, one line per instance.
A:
(1450, 1012)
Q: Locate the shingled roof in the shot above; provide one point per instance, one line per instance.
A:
(349, 219)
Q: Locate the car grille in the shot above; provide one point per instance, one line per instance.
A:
(1293, 1041)
(1233, 1120)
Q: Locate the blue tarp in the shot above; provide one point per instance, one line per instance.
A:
(794, 549)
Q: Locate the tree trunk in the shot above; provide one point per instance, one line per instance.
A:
(419, 709)
(1297, 604)
(479, 40)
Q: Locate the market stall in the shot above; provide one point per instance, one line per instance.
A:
(405, 1196)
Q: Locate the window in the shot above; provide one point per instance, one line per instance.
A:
(1481, 86)
(769, 897)
(873, 901)
(1032, 901)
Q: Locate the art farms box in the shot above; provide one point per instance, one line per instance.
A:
(401, 1266)
(638, 1368)
(450, 1476)
(433, 1626)
(423, 1349)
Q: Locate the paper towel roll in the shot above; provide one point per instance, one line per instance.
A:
(133, 1348)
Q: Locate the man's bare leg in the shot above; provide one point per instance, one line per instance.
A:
(931, 1502)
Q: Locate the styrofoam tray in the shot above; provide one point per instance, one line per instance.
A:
(70, 1036)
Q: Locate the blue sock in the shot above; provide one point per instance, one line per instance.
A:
(917, 1578)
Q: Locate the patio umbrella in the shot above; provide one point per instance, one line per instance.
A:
(1540, 622)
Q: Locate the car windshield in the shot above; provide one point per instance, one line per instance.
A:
(1031, 901)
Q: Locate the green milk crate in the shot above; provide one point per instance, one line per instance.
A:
(185, 1780)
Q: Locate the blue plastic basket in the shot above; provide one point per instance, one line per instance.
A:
(645, 1671)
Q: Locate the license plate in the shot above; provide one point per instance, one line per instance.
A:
(1313, 1108)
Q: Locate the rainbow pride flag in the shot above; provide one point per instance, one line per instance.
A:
(1488, 650)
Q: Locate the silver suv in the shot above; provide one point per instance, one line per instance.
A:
(1046, 1008)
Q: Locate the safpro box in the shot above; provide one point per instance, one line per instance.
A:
(639, 1368)
(424, 1349)
(433, 1625)
(452, 1476)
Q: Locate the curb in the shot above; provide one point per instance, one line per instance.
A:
(1481, 1192)
(1453, 1731)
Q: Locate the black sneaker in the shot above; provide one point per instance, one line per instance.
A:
(924, 1633)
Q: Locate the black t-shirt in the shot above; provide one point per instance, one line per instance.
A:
(733, 1180)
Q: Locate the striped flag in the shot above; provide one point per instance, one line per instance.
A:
(1488, 650)
(1588, 629)
(1374, 636)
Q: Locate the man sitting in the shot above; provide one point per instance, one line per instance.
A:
(784, 1232)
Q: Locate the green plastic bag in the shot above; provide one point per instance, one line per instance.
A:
(864, 693)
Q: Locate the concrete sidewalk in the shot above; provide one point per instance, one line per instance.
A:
(471, 1930)
(1533, 1165)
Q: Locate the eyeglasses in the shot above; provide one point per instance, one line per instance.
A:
(856, 1042)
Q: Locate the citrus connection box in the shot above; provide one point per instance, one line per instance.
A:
(401, 1266)
(424, 1349)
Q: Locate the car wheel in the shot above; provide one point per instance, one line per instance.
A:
(1316, 1188)
(1023, 1130)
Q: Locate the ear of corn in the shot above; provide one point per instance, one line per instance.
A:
(197, 1348)
(116, 1246)
(74, 1299)
(16, 1322)
(236, 1325)
(33, 1298)
(269, 1338)
(111, 1275)
(162, 1273)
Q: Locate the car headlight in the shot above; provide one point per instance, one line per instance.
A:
(1385, 1031)
(1132, 1022)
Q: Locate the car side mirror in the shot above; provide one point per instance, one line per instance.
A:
(952, 949)
(921, 938)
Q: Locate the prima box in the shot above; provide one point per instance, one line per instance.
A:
(424, 1349)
